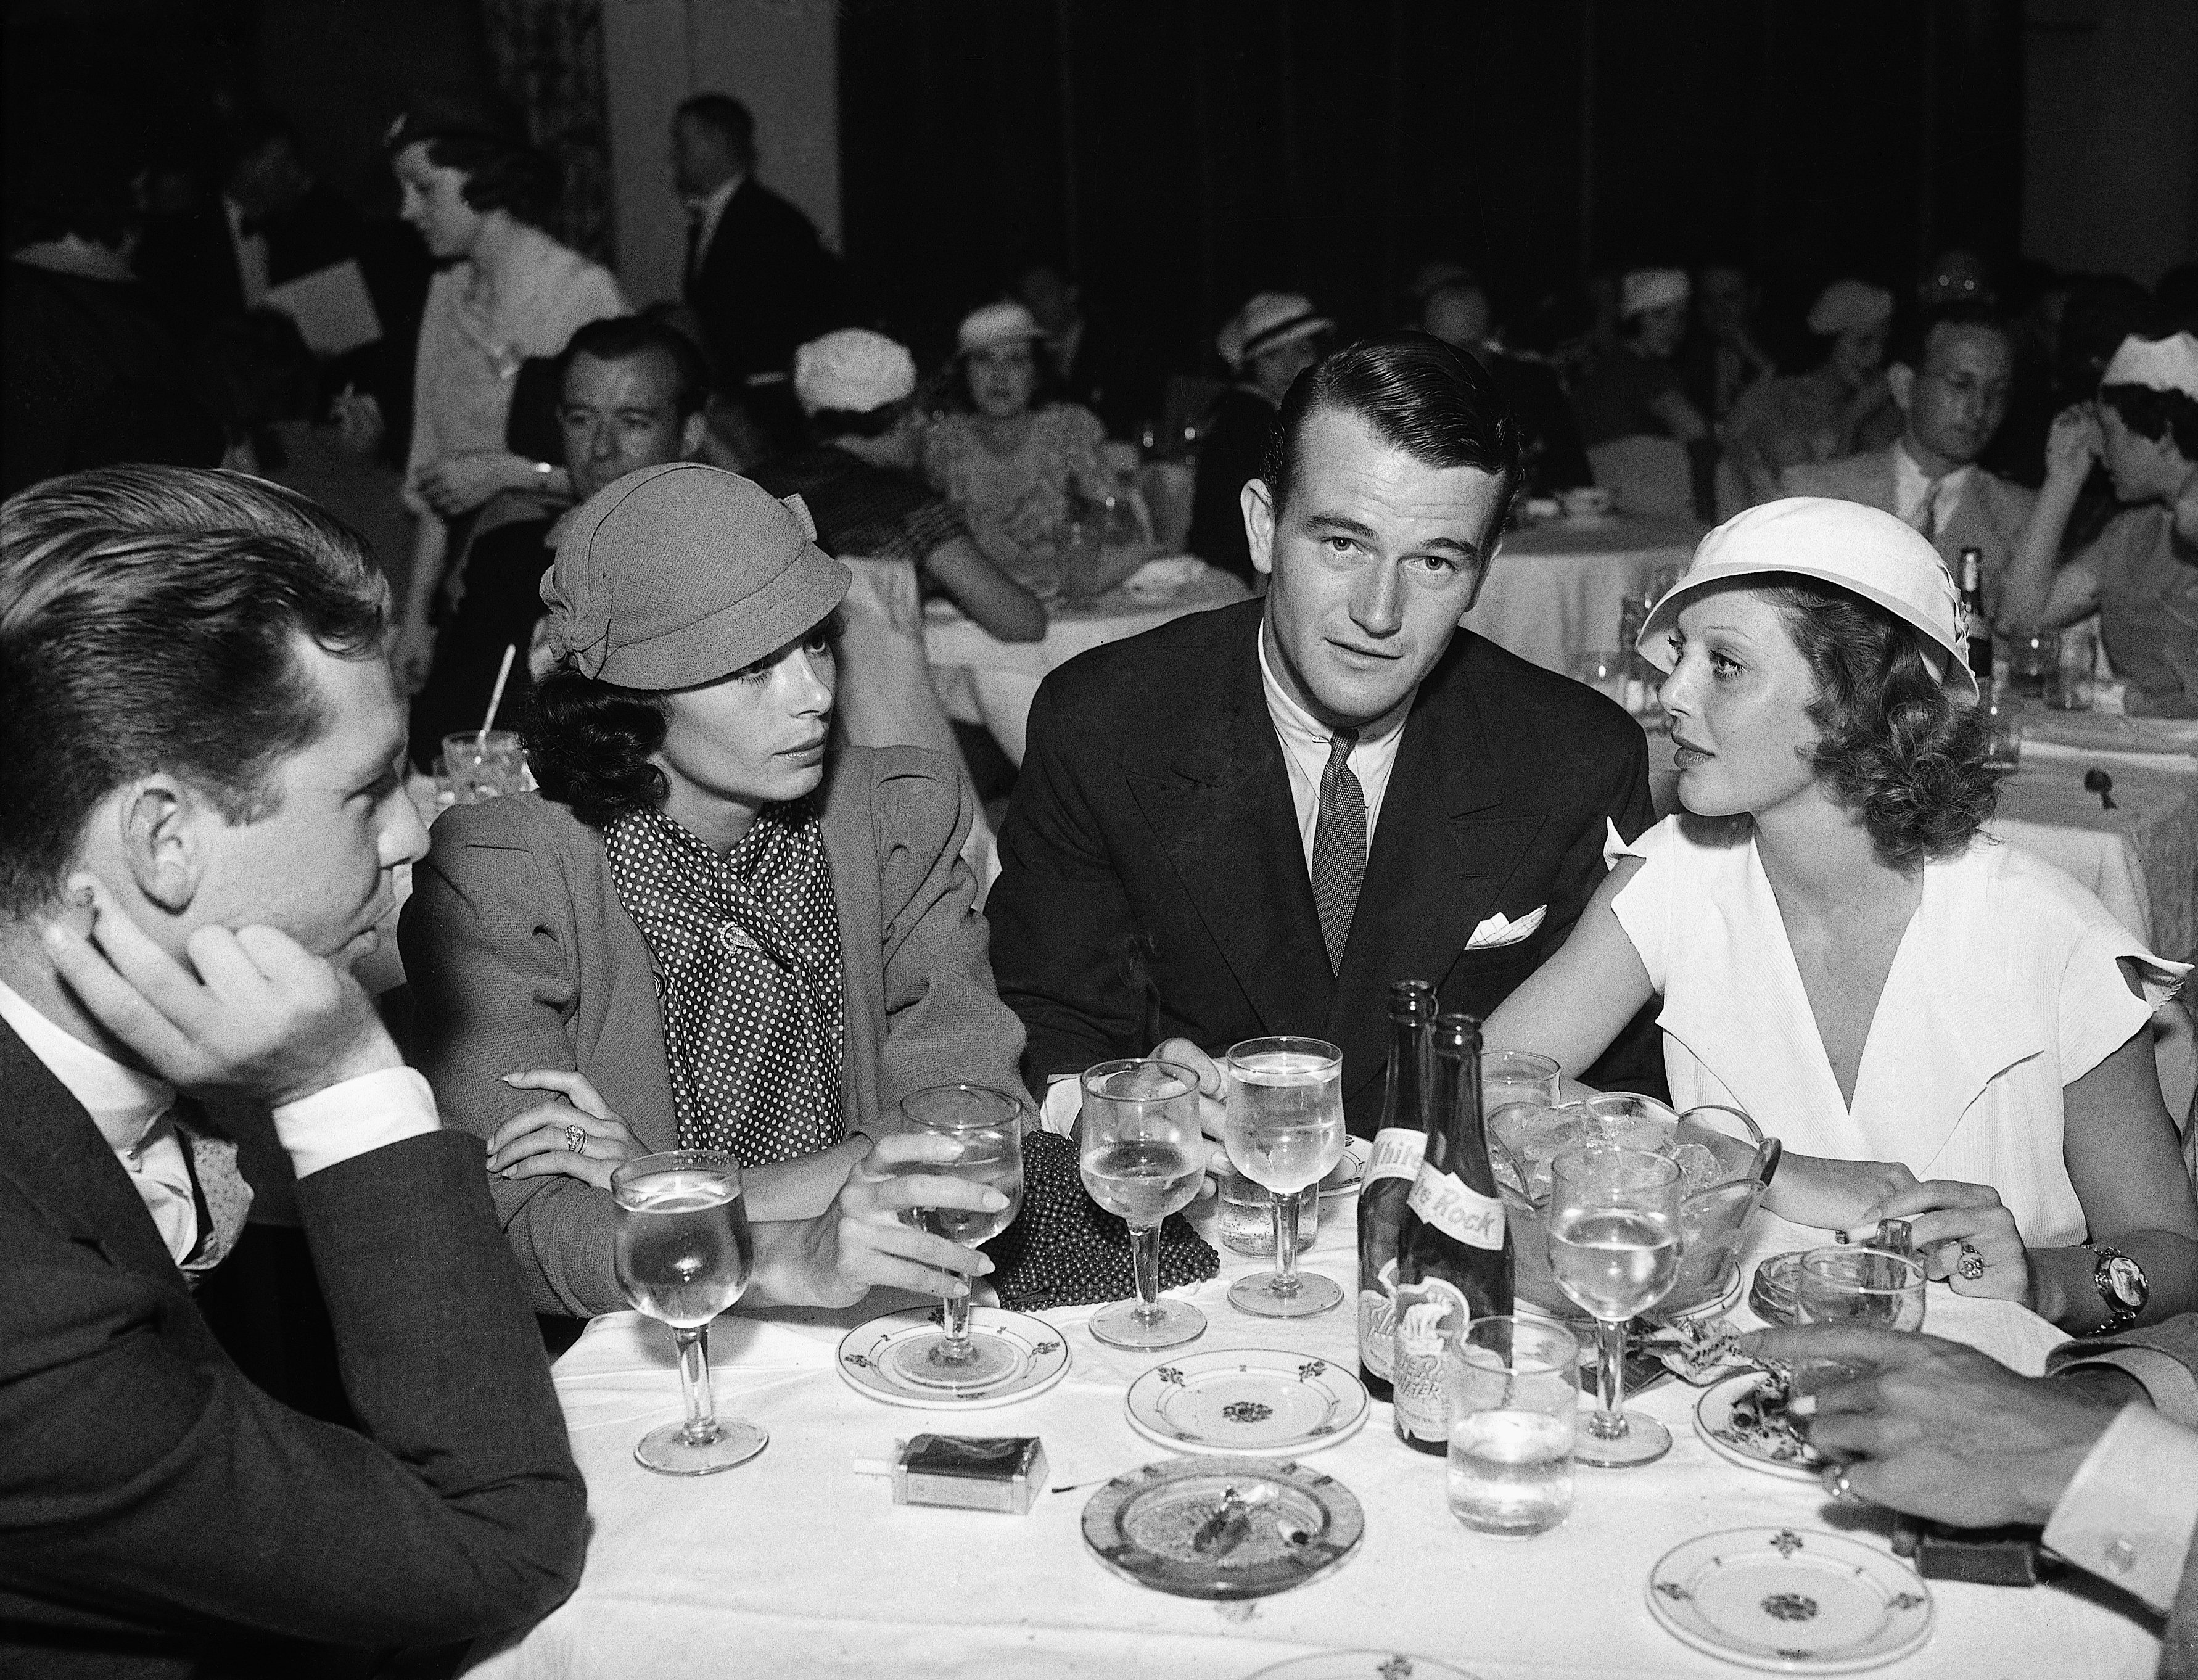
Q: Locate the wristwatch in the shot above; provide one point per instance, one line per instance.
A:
(2122, 1285)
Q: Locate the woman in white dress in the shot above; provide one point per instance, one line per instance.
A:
(1940, 1027)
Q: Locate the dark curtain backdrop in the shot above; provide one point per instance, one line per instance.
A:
(1180, 154)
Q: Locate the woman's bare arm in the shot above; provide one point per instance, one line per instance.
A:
(993, 600)
(1575, 1004)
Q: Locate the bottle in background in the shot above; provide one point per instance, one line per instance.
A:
(1981, 629)
(1454, 1249)
(1398, 1149)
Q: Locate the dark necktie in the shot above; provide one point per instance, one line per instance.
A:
(1339, 845)
(694, 248)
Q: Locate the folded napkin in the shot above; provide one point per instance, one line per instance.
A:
(1167, 575)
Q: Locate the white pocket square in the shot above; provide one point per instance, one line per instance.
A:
(1498, 931)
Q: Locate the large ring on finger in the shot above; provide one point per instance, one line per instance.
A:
(576, 1138)
(1836, 1483)
(1971, 1265)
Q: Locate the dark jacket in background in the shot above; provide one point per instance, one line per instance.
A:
(1554, 458)
(1233, 449)
(765, 286)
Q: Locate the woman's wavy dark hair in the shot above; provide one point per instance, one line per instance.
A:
(1894, 746)
(590, 746)
(485, 145)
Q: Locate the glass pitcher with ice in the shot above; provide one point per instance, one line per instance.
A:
(1718, 1151)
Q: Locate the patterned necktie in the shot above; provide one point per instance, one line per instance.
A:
(221, 1188)
(1339, 845)
(1926, 514)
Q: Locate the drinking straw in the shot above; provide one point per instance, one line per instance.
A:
(503, 675)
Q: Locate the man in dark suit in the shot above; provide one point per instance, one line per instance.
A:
(1092, 365)
(1251, 821)
(200, 822)
(1458, 312)
(756, 272)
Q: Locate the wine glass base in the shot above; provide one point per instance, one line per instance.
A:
(993, 1359)
(1257, 1296)
(667, 1452)
(1644, 1442)
(1168, 1324)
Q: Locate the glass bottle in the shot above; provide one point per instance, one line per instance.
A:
(1398, 1149)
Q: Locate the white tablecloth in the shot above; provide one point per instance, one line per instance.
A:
(792, 1565)
(1556, 589)
(984, 680)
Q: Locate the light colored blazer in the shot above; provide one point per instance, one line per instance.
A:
(520, 956)
(1991, 515)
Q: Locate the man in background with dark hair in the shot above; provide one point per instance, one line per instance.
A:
(200, 817)
(1950, 374)
(1093, 365)
(1251, 821)
(755, 271)
(1460, 313)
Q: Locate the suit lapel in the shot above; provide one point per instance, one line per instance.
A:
(1224, 819)
(49, 1146)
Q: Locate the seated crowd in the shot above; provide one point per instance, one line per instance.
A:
(724, 919)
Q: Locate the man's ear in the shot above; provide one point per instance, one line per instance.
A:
(1901, 380)
(690, 434)
(161, 845)
(1258, 525)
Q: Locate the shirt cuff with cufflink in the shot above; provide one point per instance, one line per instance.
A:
(354, 1117)
(2128, 1513)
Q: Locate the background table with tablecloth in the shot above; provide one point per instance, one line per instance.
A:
(1556, 589)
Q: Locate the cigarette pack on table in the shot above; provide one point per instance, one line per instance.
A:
(1004, 1473)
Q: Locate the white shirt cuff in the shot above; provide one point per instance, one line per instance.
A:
(2127, 1514)
(371, 1112)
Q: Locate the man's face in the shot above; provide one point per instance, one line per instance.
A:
(701, 162)
(1374, 558)
(620, 417)
(1957, 400)
(320, 866)
(1459, 315)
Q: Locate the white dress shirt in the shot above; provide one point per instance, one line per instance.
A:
(707, 213)
(130, 1108)
(251, 250)
(1305, 740)
(2128, 1513)
(1912, 486)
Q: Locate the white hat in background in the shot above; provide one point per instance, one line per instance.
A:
(996, 324)
(854, 370)
(1270, 321)
(1867, 553)
(1845, 305)
(1647, 289)
(2158, 364)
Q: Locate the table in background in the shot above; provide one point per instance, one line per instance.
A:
(984, 680)
(1556, 590)
(794, 1565)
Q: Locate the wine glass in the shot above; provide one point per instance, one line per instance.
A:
(1614, 1250)
(1869, 1287)
(1283, 1126)
(988, 1126)
(683, 1254)
(1142, 1162)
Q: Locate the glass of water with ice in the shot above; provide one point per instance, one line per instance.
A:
(1513, 1402)
(1284, 1126)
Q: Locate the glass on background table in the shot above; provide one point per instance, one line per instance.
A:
(988, 1126)
(483, 764)
(1283, 1127)
(1140, 1151)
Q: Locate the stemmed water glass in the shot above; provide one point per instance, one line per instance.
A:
(1614, 1250)
(1283, 1127)
(683, 1254)
(1141, 1161)
(988, 1126)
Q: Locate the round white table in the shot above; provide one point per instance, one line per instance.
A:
(1556, 589)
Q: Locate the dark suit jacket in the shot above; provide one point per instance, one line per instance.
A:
(158, 1511)
(1236, 429)
(765, 286)
(1555, 459)
(1113, 379)
(1154, 885)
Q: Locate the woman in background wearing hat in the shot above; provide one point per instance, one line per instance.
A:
(1009, 464)
(477, 197)
(1841, 407)
(1267, 344)
(1843, 953)
(706, 931)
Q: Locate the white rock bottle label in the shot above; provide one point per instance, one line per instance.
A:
(1397, 1153)
(1377, 1318)
(1457, 1209)
(1430, 1316)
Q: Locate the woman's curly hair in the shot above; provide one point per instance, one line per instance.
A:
(589, 745)
(1895, 745)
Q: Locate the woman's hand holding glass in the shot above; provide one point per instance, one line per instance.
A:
(986, 1127)
(1965, 1236)
(543, 1140)
(865, 1241)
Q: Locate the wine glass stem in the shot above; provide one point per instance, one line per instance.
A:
(1285, 1243)
(957, 1351)
(1145, 1267)
(694, 1345)
(1609, 1420)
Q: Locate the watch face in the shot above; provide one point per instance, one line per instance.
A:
(2127, 1279)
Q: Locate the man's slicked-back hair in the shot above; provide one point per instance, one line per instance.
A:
(1416, 394)
(733, 121)
(619, 336)
(147, 621)
(1911, 345)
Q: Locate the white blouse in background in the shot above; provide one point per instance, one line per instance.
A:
(2005, 989)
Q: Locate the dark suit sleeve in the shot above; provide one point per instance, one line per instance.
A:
(1064, 934)
(143, 1488)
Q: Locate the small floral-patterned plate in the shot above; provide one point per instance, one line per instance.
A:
(1256, 1400)
(1744, 1419)
(867, 1359)
(1362, 1666)
(1791, 1600)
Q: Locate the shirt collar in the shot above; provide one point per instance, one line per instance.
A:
(122, 1102)
(1910, 471)
(711, 205)
(1299, 727)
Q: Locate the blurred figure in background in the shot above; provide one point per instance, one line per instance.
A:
(1460, 314)
(1726, 358)
(1633, 391)
(479, 198)
(1841, 407)
(1267, 344)
(1091, 363)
